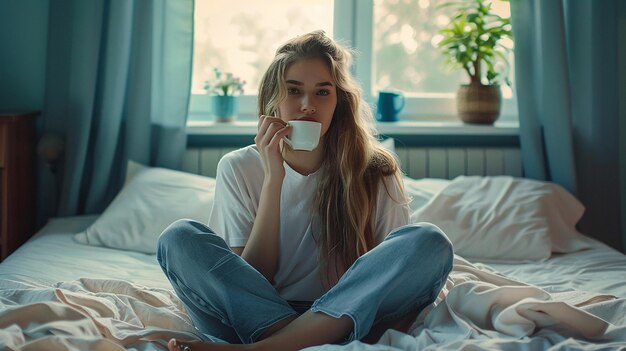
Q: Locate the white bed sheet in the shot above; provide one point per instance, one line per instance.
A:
(601, 269)
(53, 256)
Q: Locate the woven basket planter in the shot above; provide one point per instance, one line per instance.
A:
(479, 104)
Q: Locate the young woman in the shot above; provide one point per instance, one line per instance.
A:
(305, 247)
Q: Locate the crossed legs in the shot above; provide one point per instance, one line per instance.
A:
(385, 288)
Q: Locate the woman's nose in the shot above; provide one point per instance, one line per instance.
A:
(307, 107)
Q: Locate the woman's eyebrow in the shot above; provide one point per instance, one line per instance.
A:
(320, 84)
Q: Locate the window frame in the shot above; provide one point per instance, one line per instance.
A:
(353, 26)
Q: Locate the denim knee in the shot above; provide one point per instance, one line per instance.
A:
(424, 243)
(180, 239)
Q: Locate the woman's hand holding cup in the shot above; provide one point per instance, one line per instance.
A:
(271, 131)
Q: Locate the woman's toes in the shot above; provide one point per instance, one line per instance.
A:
(171, 345)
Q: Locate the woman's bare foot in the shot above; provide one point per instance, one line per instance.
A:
(309, 329)
(178, 345)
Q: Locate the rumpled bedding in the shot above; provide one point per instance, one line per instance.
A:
(90, 314)
(478, 309)
(482, 310)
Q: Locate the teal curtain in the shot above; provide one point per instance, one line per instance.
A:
(566, 58)
(117, 88)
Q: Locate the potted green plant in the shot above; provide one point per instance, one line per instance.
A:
(224, 88)
(473, 41)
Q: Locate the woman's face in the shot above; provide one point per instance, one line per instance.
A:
(311, 93)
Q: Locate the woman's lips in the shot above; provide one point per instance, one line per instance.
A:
(310, 119)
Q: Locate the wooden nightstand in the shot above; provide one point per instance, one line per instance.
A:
(17, 175)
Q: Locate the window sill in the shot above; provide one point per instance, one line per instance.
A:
(384, 128)
(408, 133)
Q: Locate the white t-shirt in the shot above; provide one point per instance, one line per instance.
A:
(238, 190)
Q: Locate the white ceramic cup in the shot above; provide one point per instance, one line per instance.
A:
(305, 135)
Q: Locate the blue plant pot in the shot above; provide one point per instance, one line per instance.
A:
(224, 108)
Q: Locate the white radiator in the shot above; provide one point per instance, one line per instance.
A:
(417, 162)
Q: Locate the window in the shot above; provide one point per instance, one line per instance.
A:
(404, 55)
(395, 41)
(241, 37)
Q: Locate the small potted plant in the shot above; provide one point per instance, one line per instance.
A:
(224, 88)
(473, 41)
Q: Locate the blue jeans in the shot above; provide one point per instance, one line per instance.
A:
(228, 299)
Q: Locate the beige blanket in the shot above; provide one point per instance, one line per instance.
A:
(476, 308)
(90, 314)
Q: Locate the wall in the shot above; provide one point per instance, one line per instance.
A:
(23, 46)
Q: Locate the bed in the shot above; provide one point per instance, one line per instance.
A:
(523, 278)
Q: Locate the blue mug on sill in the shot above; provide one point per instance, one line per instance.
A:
(389, 106)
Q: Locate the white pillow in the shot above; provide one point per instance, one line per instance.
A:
(505, 219)
(420, 191)
(151, 199)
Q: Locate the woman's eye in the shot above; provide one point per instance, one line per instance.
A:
(323, 92)
(292, 90)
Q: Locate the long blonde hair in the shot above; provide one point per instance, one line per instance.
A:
(354, 163)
